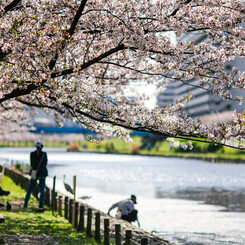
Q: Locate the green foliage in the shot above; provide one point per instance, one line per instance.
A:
(110, 148)
(18, 166)
(214, 148)
(31, 143)
(159, 146)
(162, 148)
(2, 241)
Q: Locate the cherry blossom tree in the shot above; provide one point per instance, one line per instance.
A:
(78, 58)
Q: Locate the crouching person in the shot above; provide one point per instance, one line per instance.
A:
(126, 209)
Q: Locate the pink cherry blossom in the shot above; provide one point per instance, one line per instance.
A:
(81, 59)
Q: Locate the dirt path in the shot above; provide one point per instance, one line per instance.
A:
(13, 239)
(26, 239)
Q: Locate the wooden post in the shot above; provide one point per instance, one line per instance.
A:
(70, 210)
(89, 222)
(106, 232)
(66, 207)
(47, 196)
(81, 220)
(53, 193)
(60, 206)
(55, 202)
(74, 200)
(117, 234)
(144, 241)
(128, 237)
(76, 213)
(97, 227)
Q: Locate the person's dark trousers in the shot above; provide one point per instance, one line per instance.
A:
(126, 217)
(131, 216)
(32, 184)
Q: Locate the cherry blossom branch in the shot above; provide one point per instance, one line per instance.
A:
(177, 9)
(121, 123)
(77, 17)
(83, 62)
(11, 6)
(89, 63)
(70, 31)
(24, 91)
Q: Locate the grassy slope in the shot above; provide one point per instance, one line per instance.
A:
(29, 222)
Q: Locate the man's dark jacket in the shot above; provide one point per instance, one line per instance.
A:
(36, 157)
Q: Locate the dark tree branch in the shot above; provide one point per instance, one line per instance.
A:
(176, 10)
(11, 6)
(121, 123)
(3, 54)
(19, 92)
(24, 91)
(89, 63)
(70, 31)
(77, 17)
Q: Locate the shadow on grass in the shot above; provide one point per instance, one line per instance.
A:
(30, 222)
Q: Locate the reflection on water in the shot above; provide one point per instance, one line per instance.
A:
(233, 201)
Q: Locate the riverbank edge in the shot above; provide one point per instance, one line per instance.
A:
(23, 181)
(206, 159)
(181, 156)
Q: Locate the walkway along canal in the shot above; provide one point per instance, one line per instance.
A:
(86, 218)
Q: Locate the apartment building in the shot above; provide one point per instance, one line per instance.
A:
(203, 102)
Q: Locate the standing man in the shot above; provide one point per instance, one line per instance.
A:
(39, 162)
(125, 209)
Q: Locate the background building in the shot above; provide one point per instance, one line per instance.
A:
(203, 102)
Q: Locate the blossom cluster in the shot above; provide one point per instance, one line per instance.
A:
(79, 58)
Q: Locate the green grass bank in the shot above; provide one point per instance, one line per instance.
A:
(159, 148)
(27, 221)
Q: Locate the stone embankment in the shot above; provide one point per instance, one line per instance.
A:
(136, 233)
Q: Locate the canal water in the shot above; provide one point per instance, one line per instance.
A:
(188, 202)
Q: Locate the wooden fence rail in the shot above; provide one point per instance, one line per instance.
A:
(80, 216)
(83, 214)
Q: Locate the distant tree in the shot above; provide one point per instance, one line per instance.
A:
(214, 147)
(79, 57)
